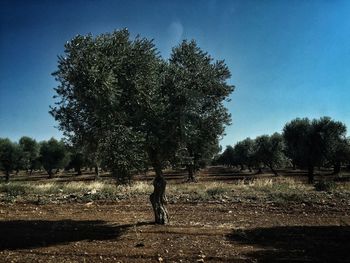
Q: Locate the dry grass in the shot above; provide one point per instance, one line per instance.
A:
(280, 189)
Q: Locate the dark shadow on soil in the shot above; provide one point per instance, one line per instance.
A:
(297, 243)
(24, 234)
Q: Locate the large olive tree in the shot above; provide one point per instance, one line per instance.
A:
(117, 93)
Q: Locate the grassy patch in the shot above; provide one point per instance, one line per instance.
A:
(279, 190)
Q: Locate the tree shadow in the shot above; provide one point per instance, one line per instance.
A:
(297, 243)
(25, 234)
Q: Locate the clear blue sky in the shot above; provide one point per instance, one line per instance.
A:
(288, 58)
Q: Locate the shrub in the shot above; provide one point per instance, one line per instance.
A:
(324, 185)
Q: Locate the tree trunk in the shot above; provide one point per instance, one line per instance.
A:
(50, 173)
(97, 172)
(158, 197)
(31, 171)
(191, 173)
(242, 167)
(336, 169)
(310, 174)
(273, 170)
(250, 168)
(7, 176)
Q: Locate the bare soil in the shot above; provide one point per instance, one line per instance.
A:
(203, 231)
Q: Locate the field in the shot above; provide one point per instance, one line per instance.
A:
(227, 216)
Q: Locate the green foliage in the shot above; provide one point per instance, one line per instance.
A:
(123, 154)
(76, 160)
(53, 155)
(10, 156)
(295, 134)
(227, 157)
(244, 153)
(123, 103)
(30, 150)
(269, 150)
(199, 88)
(311, 143)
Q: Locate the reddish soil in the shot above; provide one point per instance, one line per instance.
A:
(122, 231)
(213, 231)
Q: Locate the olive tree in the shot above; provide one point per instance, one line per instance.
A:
(30, 150)
(53, 155)
(243, 153)
(312, 143)
(269, 151)
(227, 158)
(76, 159)
(340, 154)
(199, 86)
(10, 157)
(118, 93)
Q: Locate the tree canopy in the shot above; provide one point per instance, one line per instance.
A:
(118, 96)
(53, 155)
(312, 143)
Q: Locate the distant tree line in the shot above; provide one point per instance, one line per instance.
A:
(29, 155)
(303, 144)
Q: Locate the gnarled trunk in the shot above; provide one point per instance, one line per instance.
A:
(158, 197)
(158, 200)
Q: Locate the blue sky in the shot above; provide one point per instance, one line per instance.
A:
(288, 59)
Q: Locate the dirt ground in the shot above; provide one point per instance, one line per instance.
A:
(122, 231)
(231, 230)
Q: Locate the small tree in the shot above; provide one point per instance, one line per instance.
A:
(10, 155)
(269, 151)
(76, 160)
(53, 155)
(227, 158)
(339, 154)
(30, 150)
(312, 143)
(243, 153)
